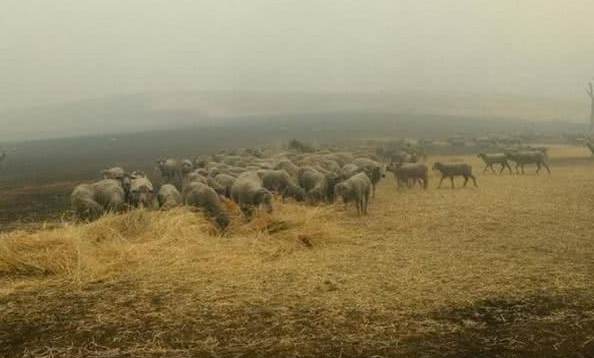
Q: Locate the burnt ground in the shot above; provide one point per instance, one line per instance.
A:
(541, 325)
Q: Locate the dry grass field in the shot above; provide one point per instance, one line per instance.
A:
(502, 270)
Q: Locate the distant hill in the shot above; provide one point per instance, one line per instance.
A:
(152, 111)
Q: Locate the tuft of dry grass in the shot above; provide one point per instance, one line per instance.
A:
(500, 270)
(138, 239)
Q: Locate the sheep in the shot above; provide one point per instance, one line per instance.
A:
(356, 189)
(373, 170)
(348, 170)
(110, 194)
(403, 157)
(113, 173)
(451, 170)
(591, 147)
(407, 173)
(141, 190)
(287, 165)
(330, 165)
(168, 197)
(248, 192)
(195, 176)
(314, 183)
(186, 166)
(168, 168)
(528, 157)
(226, 181)
(83, 202)
(491, 159)
(203, 197)
(279, 181)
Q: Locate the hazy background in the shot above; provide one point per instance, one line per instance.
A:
(75, 67)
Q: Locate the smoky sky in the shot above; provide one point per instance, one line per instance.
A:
(60, 50)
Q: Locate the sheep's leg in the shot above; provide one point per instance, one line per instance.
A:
(537, 167)
(410, 183)
(365, 203)
(522, 166)
(465, 181)
(358, 203)
(452, 181)
(486, 167)
(517, 170)
(509, 168)
(546, 167)
(502, 167)
(492, 170)
(474, 180)
(440, 181)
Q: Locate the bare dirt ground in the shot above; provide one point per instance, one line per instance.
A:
(503, 270)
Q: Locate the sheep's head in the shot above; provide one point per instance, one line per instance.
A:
(437, 166)
(340, 189)
(297, 193)
(481, 155)
(222, 220)
(264, 199)
(186, 166)
(138, 174)
(394, 167)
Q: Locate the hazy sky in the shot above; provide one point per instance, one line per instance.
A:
(57, 50)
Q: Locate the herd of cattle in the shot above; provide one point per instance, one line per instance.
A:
(251, 177)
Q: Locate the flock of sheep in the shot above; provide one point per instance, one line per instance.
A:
(251, 177)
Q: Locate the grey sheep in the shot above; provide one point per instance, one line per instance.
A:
(591, 147)
(288, 166)
(83, 203)
(410, 173)
(248, 192)
(195, 176)
(491, 159)
(314, 183)
(141, 191)
(89, 201)
(531, 157)
(169, 197)
(451, 170)
(356, 189)
(110, 194)
(279, 181)
(113, 173)
(186, 166)
(403, 157)
(203, 197)
(169, 169)
(349, 170)
(226, 181)
(373, 169)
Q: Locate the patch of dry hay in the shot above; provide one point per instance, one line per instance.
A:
(154, 240)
